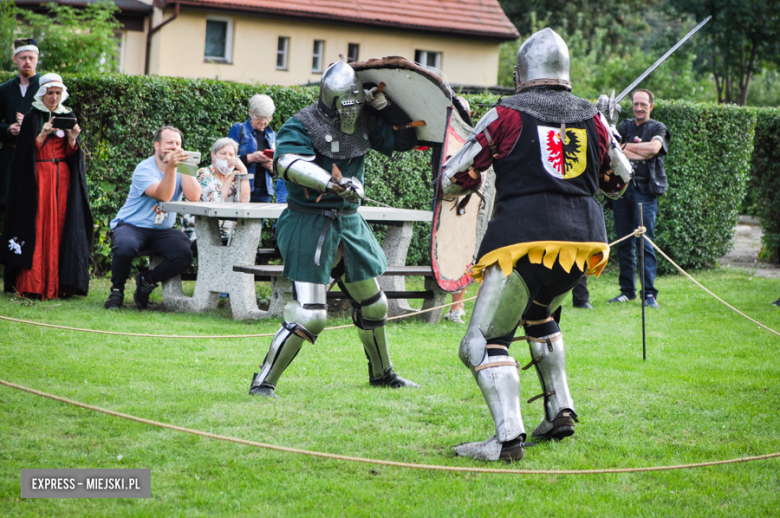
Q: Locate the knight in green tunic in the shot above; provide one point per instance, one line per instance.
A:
(16, 96)
(320, 154)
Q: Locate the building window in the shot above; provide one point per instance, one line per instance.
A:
(281, 52)
(219, 39)
(352, 52)
(428, 58)
(317, 55)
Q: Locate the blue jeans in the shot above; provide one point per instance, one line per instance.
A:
(626, 212)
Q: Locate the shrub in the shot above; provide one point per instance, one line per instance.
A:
(765, 179)
(707, 164)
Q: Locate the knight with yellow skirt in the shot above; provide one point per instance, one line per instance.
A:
(551, 152)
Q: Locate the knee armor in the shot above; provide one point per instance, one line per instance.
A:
(304, 319)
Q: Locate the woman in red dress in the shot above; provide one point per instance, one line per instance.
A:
(56, 152)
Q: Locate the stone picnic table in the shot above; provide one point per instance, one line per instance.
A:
(215, 260)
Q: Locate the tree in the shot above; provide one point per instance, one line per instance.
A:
(741, 41)
(618, 20)
(8, 26)
(76, 40)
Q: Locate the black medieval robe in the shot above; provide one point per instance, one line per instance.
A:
(23, 205)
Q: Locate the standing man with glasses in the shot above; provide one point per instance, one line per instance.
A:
(645, 143)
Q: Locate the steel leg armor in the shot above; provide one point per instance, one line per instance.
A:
(304, 319)
(548, 355)
(499, 307)
(369, 314)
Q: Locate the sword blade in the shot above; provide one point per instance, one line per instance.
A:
(366, 198)
(660, 60)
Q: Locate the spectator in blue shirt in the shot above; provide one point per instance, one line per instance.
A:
(141, 224)
(255, 136)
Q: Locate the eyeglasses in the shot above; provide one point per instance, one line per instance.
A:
(641, 105)
(265, 120)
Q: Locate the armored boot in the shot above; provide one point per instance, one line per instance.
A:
(369, 314)
(549, 357)
(485, 351)
(305, 318)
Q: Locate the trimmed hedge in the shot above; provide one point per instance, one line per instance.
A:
(707, 164)
(120, 113)
(708, 168)
(765, 180)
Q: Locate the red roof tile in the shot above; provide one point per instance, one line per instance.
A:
(480, 18)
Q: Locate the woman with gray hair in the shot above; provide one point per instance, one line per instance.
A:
(219, 183)
(256, 144)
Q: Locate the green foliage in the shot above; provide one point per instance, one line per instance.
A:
(737, 43)
(8, 27)
(77, 41)
(765, 89)
(597, 67)
(708, 166)
(765, 180)
(615, 21)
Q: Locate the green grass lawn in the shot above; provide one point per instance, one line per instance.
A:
(708, 391)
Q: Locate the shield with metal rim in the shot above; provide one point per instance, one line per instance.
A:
(458, 222)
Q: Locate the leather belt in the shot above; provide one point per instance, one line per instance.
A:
(330, 215)
(54, 160)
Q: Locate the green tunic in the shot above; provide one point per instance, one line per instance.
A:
(11, 101)
(297, 233)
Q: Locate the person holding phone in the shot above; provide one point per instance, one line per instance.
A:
(256, 144)
(48, 222)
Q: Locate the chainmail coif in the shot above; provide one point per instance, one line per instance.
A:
(320, 128)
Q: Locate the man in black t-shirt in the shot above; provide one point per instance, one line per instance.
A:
(645, 142)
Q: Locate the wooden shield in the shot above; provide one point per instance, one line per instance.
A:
(458, 222)
(419, 92)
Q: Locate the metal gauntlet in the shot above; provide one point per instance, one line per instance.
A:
(302, 170)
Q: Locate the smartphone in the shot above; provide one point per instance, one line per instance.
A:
(63, 123)
(269, 153)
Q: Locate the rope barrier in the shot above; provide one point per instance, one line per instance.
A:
(697, 283)
(364, 460)
(215, 337)
(638, 232)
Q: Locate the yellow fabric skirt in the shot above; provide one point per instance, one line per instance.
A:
(590, 258)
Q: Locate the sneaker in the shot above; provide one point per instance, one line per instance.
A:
(583, 305)
(392, 380)
(115, 299)
(650, 302)
(455, 316)
(776, 303)
(142, 291)
(621, 298)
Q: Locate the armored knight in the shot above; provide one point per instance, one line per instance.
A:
(320, 154)
(550, 151)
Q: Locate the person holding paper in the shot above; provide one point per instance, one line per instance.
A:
(48, 224)
(141, 224)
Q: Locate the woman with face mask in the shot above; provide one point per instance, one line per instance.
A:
(48, 222)
(219, 183)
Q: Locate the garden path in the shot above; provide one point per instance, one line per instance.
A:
(746, 248)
